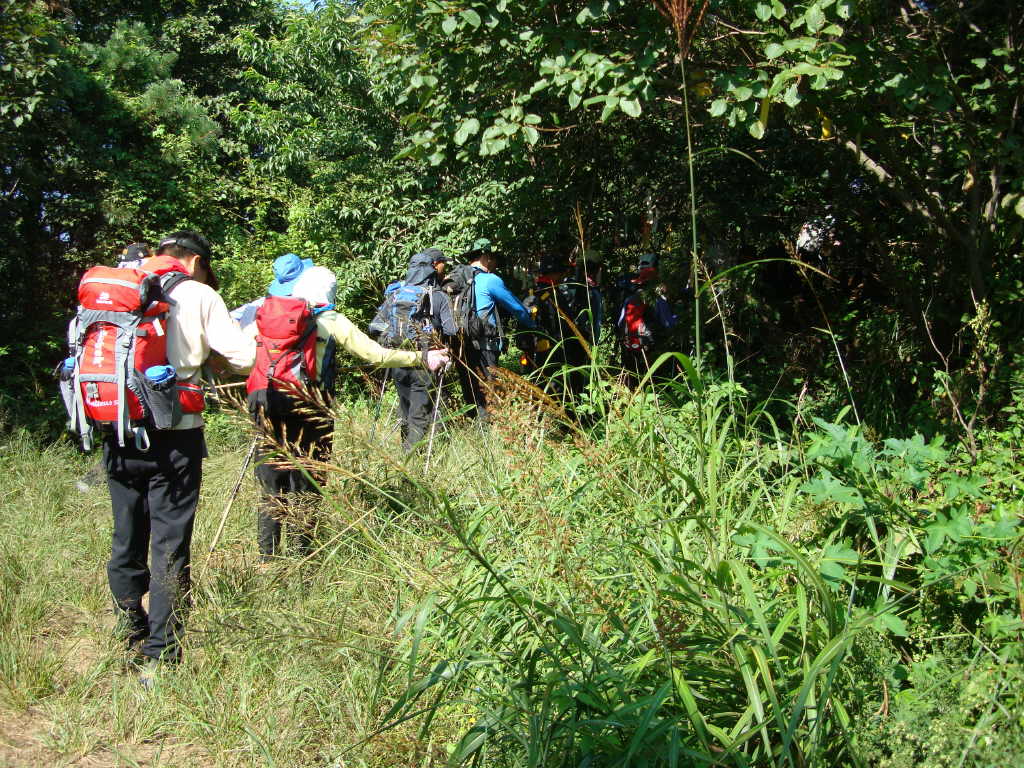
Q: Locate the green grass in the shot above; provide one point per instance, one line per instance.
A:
(681, 584)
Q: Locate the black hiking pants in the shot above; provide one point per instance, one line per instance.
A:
(154, 495)
(415, 405)
(287, 491)
(474, 372)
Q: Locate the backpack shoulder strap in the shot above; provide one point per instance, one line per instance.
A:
(171, 280)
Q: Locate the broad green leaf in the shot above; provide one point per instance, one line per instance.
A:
(893, 623)
(774, 50)
(801, 44)
(815, 18)
(449, 25)
(756, 129)
(718, 107)
(792, 95)
(825, 487)
(763, 11)
(844, 8)
(610, 105)
(778, 9)
(742, 93)
(471, 17)
(468, 128)
(574, 99)
(834, 561)
(630, 106)
(531, 134)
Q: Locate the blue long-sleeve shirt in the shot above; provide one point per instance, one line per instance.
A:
(491, 290)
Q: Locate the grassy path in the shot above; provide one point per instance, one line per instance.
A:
(270, 673)
(667, 582)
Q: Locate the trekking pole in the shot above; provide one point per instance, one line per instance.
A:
(380, 405)
(433, 421)
(234, 493)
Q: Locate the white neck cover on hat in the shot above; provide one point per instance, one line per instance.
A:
(317, 285)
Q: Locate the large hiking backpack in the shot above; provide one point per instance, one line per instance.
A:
(555, 310)
(461, 287)
(403, 317)
(117, 335)
(635, 323)
(286, 365)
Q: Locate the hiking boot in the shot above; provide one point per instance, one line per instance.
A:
(92, 478)
(132, 624)
(149, 674)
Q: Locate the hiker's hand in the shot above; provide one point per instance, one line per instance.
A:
(437, 359)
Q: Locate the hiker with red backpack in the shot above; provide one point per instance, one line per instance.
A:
(139, 340)
(415, 314)
(296, 337)
(644, 317)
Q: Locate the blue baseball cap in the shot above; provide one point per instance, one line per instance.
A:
(287, 269)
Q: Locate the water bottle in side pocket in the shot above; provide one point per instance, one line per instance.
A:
(161, 396)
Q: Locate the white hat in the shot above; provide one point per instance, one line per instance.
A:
(317, 285)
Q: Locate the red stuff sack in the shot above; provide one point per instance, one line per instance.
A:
(285, 366)
(636, 334)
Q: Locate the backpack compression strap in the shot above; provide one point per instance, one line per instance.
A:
(272, 367)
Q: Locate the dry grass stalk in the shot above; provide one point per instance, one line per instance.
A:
(685, 17)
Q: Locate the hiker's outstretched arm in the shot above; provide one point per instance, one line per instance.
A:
(362, 346)
(507, 300)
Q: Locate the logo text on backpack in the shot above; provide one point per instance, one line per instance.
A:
(104, 298)
(97, 349)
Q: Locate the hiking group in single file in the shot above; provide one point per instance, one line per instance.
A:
(145, 331)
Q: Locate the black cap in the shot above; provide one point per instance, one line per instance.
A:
(137, 252)
(194, 243)
(434, 254)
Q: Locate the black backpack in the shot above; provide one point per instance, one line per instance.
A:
(551, 307)
(461, 288)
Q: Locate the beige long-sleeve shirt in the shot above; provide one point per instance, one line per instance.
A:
(334, 325)
(198, 322)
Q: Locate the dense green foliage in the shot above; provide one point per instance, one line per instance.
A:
(357, 133)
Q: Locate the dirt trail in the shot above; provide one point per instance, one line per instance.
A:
(22, 737)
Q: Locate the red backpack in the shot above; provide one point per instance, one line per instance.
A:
(118, 333)
(636, 333)
(285, 354)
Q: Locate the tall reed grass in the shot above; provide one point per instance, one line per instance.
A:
(678, 580)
